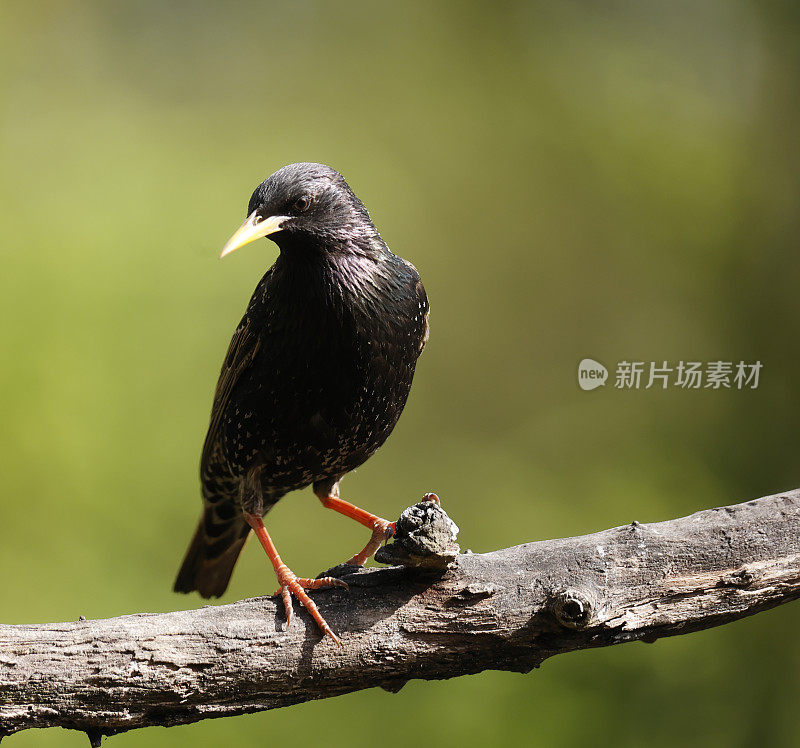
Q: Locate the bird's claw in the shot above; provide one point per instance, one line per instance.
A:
(297, 586)
(381, 530)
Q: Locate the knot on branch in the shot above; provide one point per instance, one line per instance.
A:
(424, 537)
(572, 608)
(741, 577)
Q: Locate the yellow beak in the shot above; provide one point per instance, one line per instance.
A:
(253, 228)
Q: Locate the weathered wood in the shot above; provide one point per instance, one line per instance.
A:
(506, 610)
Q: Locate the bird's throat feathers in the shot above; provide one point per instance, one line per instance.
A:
(361, 276)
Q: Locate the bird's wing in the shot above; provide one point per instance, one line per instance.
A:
(425, 312)
(421, 308)
(241, 353)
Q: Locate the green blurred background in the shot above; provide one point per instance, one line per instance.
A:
(613, 180)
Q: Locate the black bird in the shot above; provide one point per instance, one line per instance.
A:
(316, 375)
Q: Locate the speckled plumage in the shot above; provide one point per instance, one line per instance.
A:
(318, 370)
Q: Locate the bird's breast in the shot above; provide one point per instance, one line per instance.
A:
(327, 386)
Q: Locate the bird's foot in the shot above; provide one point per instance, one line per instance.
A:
(381, 530)
(297, 586)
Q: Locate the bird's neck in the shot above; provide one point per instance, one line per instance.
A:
(345, 238)
(341, 279)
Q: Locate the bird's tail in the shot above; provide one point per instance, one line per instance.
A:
(212, 554)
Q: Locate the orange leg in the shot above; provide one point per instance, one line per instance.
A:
(292, 585)
(381, 529)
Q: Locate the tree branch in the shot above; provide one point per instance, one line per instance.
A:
(506, 610)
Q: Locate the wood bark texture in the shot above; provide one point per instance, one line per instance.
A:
(506, 610)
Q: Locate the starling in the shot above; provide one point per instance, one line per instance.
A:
(315, 378)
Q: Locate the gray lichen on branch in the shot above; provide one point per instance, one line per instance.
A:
(506, 610)
(425, 538)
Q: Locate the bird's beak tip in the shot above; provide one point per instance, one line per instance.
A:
(253, 228)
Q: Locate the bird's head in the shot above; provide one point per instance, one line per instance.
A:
(303, 204)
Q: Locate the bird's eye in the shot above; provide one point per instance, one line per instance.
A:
(302, 204)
